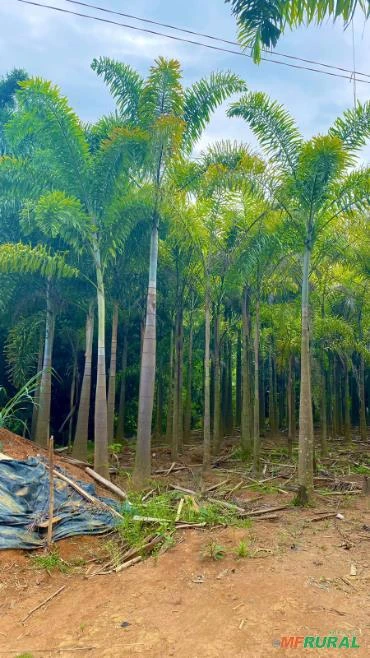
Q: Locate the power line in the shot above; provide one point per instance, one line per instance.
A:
(213, 37)
(183, 40)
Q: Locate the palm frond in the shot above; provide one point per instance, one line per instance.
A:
(125, 85)
(23, 258)
(203, 98)
(353, 127)
(275, 129)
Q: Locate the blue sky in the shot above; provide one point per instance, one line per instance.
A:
(60, 48)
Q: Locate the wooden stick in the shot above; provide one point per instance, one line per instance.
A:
(171, 468)
(216, 486)
(237, 486)
(106, 483)
(129, 563)
(51, 492)
(188, 491)
(84, 494)
(223, 503)
(259, 512)
(179, 509)
(52, 596)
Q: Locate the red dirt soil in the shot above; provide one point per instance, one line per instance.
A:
(296, 581)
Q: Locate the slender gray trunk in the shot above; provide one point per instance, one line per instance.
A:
(188, 403)
(305, 451)
(42, 431)
(169, 421)
(147, 371)
(246, 425)
(347, 404)
(238, 380)
(361, 386)
(324, 416)
(122, 394)
(207, 396)
(101, 460)
(217, 385)
(37, 393)
(256, 424)
(112, 375)
(79, 450)
(72, 398)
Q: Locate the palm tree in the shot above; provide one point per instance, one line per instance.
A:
(312, 184)
(87, 182)
(173, 118)
(262, 22)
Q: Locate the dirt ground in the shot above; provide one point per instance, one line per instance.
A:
(301, 577)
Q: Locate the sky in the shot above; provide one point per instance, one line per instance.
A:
(60, 47)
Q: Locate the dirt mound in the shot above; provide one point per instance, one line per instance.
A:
(20, 448)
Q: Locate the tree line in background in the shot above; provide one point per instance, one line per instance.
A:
(233, 287)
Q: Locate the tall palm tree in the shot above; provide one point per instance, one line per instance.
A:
(312, 183)
(173, 117)
(86, 184)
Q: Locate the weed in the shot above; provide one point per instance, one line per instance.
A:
(242, 549)
(50, 561)
(25, 655)
(214, 551)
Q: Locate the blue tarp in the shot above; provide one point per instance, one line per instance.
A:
(24, 506)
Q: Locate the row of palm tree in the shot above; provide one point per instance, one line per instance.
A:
(229, 229)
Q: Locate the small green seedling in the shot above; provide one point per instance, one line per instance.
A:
(214, 551)
(242, 549)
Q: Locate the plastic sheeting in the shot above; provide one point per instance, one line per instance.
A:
(24, 505)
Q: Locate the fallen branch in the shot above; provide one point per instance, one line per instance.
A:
(223, 503)
(322, 517)
(267, 510)
(84, 494)
(129, 563)
(218, 485)
(52, 596)
(106, 483)
(177, 487)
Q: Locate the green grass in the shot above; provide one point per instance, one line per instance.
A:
(242, 549)
(25, 655)
(164, 508)
(50, 562)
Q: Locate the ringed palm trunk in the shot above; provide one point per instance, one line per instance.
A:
(238, 380)
(42, 431)
(187, 421)
(363, 429)
(82, 427)
(291, 430)
(37, 394)
(324, 415)
(217, 387)
(256, 424)
(122, 394)
(112, 375)
(347, 405)
(246, 426)
(169, 420)
(207, 390)
(305, 448)
(101, 462)
(147, 370)
(72, 397)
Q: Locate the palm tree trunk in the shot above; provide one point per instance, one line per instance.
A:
(324, 417)
(363, 428)
(207, 396)
(305, 450)
(147, 370)
(347, 405)
(79, 450)
(217, 385)
(101, 461)
(37, 393)
(169, 421)
(188, 403)
(112, 375)
(42, 432)
(245, 435)
(175, 398)
(122, 393)
(291, 428)
(256, 423)
(238, 380)
(72, 397)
